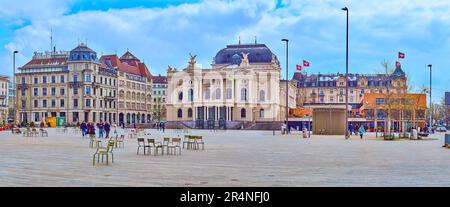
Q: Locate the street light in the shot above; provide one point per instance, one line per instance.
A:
(431, 103)
(14, 86)
(287, 84)
(346, 79)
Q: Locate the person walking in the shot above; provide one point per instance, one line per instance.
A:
(163, 126)
(350, 129)
(107, 129)
(83, 128)
(100, 129)
(361, 131)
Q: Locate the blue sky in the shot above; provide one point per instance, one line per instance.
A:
(163, 33)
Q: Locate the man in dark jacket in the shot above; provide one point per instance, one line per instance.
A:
(107, 129)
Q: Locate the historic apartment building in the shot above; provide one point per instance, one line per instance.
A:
(159, 97)
(74, 85)
(242, 85)
(80, 87)
(329, 89)
(135, 88)
(4, 89)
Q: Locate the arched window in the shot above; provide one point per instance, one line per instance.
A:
(218, 94)
(243, 113)
(261, 113)
(180, 96)
(191, 95)
(180, 113)
(190, 113)
(229, 93)
(262, 95)
(243, 94)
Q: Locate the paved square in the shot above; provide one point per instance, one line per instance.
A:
(232, 158)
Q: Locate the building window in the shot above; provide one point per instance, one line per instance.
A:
(87, 78)
(190, 113)
(190, 94)
(36, 92)
(75, 103)
(44, 91)
(53, 91)
(35, 103)
(62, 91)
(331, 99)
(261, 113)
(53, 79)
(229, 93)
(262, 95)
(341, 99)
(180, 113)
(44, 79)
(379, 101)
(75, 78)
(53, 103)
(243, 94)
(24, 103)
(36, 81)
(351, 91)
(44, 103)
(61, 103)
(62, 79)
(180, 96)
(75, 91)
(351, 99)
(88, 102)
(331, 91)
(243, 113)
(341, 92)
(218, 94)
(88, 90)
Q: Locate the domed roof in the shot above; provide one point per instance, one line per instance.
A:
(82, 53)
(232, 54)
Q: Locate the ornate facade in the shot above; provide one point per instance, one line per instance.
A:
(135, 88)
(4, 88)
(159, 97)
(242, 85)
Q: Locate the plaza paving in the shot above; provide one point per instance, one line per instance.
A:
(232, 158)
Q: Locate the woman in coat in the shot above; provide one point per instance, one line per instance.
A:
(361, 131)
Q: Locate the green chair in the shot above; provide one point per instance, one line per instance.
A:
(174, 145)
(188, 141)
(104, 151)
(152, 144)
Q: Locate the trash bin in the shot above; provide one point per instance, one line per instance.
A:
(447, 139)
(414, 134)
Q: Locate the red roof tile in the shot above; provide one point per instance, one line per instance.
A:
(159, 79)
(128, 63)
(58, 61)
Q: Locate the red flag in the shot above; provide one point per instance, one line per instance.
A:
(305, 63)
(397, 64)
(299, 67)
(401, 55)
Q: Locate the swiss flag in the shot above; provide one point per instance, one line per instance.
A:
(397, 64)
(401, 55)
(299, 67)
(305, 63)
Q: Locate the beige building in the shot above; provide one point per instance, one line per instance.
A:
(4, 88)
(134, 86)
(329, 89)
(159, 97)
(74, 85)
(242, 85)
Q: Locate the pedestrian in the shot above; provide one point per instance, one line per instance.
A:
(83, 128)
(350, 129)
(100, 129)
(107, 129)
(361, 131)
(163, 126)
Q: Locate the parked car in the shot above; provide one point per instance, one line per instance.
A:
(441, 129)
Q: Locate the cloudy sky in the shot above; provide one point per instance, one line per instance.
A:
(164, 32)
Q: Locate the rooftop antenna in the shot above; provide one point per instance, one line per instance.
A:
(239, 39)
(51, 39)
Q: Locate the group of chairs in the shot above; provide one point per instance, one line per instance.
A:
(169, 144)
(193, 142)
(33, 132)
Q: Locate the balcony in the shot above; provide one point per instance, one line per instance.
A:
(2, 97)
(76, 84)
(95, 85)
(21, 86)
(109, 98)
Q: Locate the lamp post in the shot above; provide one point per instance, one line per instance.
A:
(431, 103)
(287, 84)
(346, 78)
(14, 86)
